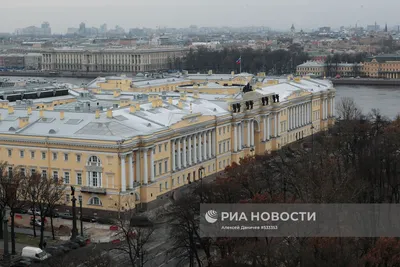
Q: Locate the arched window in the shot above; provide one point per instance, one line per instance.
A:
(94, 161)
(95, 201)
(94, 174)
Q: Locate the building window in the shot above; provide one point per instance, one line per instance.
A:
(33, 171)
(78, 158)
(67, 198)
(224, 147)
(66, 177)
(55, 175)
(44, 174)
(154, 169)
(166, 146)
(159, 148)
(80, 198)
(220, 164)
(160, 187)
(22, 170)
(43, 155)
(21, 153)
(166, 185)
(79, 178)
(95, 179)
(154, 151)
(224, 130)
(179, 179)
(10, 172)
(65, 156)
(219, 148)
(209, 168)
(160, 168)
(32, 154)
(219, 131)
(166, 166)
(95, 201)
(54, 155)
(9, 152)
(172, 182)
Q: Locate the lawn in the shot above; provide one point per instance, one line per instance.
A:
(32, 241)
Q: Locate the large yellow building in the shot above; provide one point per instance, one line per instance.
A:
(149, 144)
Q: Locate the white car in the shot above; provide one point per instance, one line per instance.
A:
(37, 212)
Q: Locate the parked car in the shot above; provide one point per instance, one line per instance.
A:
(65, 215)
(88, 219)
(36, 222)
(64, 249)
(36, 212)
(54, 251)
(70, 245)
(81, 241)
(35, 254)
(21, 211)
(105, 221)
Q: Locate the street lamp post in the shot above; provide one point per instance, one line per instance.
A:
(81, 214)
(74, 228)
(201, 169)
(312, 138)
(6, 251)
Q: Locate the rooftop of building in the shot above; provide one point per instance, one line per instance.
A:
(385, 57)
(81, 123)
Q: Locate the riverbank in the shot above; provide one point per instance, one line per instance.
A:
(366, 81)
(48, 74)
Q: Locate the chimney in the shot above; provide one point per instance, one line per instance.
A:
(109, 114)
(132, 109)
(232, 73)
(183, 96)
(180, 104)
(29, 111)
(170, 100)
(138, 106)
(41, 115)
(61, 115)
(10, 110)
(97, 113)
(23, 121)
(116, 93)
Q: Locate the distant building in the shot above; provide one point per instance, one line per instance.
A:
(33, 61)
(12, 61)
(33, 31)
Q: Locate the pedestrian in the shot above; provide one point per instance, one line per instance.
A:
(44, 244)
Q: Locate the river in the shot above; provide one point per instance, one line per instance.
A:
(385, 98)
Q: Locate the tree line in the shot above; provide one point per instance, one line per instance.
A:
(332, 62)
(357, 161)
(276, 62)
(20, 190)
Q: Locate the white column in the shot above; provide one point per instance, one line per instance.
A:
(195, 148)
(252, 132)
(240, 136)
(265, 128)
(276, 125)
(268, 127)
(145, 166)
(209, 145)
(190, 150)
(151, 165)
(235, 136)
(173, 155)
(131, 170)
(178, 154)
(248, 134)
(184, 152)
(200, 148)
(333, 111)
(138, 174)
(204, 145)
(214, 141)
(123, 173)
(304, 114)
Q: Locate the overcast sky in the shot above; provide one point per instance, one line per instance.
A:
(277, 14)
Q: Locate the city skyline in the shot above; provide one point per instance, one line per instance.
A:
(179, 14)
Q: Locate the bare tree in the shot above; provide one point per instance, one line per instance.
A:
(13, 186)
(347, 109)
(135, 232)
(45, 193)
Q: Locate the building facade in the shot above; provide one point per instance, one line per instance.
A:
(110, 60)
(134, 155)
